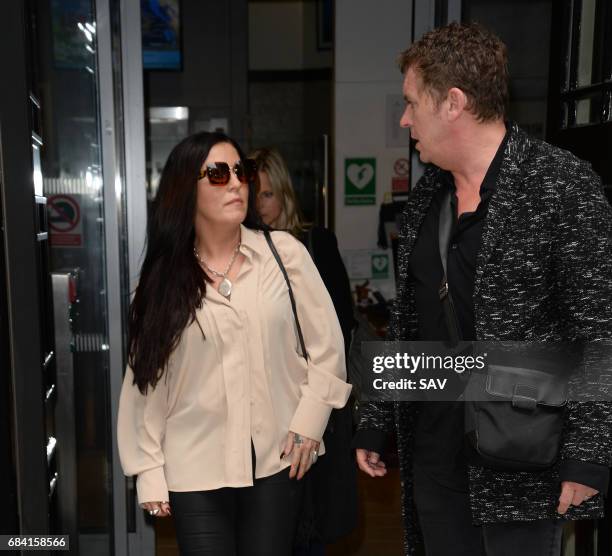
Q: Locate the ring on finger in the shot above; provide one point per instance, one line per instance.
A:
(314, 456)
(154, 512)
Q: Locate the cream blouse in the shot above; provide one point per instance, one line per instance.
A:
(245, 380)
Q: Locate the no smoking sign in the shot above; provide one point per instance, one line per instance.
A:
(400, 183)
(402, 167)
(65, 226)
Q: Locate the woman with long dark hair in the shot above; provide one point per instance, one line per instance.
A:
(221, 413)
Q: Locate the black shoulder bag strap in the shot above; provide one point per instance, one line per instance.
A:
(444, 233)
(291, 297)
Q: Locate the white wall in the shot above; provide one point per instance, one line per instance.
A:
(369, 37)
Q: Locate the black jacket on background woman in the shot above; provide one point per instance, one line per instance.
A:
(543, 273)
(334, 477)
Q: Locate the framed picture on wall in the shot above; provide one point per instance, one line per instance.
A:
(161, 34)
(325, 24)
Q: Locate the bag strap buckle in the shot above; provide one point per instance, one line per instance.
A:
(525, 397)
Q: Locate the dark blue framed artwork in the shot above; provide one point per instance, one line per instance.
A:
(161, 34)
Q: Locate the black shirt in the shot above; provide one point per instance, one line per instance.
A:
(438, 447)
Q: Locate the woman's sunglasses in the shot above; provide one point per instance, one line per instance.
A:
(219, 173)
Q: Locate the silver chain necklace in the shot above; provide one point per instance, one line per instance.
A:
(225, 287)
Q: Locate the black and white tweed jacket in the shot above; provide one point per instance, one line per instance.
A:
(543, 273)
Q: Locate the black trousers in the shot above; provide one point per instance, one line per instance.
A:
(446, 523)
(256, 521)
(527, 538)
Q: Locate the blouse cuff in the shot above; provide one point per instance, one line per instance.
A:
(151, 486)
(310, 418)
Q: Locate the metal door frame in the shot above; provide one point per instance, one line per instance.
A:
(17, 190)
(124, 204)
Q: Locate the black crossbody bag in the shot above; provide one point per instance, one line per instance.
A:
(304, 353)
(513, 415)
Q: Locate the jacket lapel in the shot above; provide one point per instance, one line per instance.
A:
(510, 182)
(417, 206)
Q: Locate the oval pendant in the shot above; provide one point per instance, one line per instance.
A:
(225, 287)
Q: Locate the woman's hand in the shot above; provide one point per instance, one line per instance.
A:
(157, 509)
(304, 451)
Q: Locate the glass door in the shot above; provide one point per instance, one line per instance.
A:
(580, 120)
(71, 261)
(67, 78)
(580, 103)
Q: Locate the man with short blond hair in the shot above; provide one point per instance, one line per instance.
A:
(529, 259)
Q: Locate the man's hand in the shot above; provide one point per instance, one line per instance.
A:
(157, 509)
(370, 463)
(573, 494)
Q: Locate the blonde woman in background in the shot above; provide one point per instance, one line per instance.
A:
(333, 482)
(276, 201)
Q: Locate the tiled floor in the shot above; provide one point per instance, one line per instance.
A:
(379, 532)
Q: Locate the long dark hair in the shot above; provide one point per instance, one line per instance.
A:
(172, 284)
